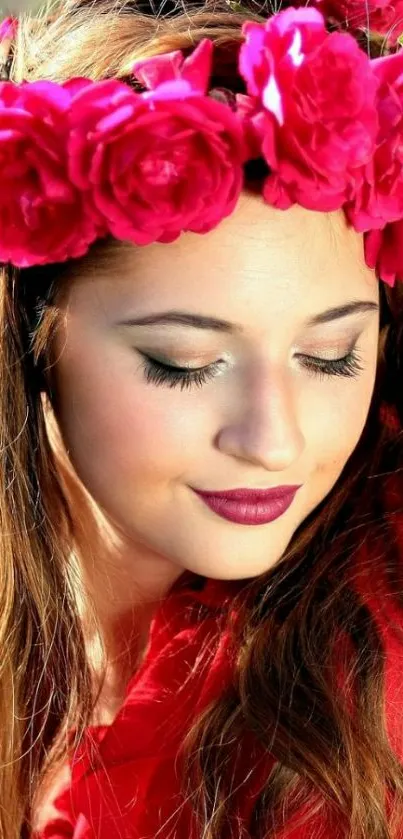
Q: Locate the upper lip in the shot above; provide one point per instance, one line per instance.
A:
(244, 494)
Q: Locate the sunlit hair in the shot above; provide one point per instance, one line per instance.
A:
(292, 616)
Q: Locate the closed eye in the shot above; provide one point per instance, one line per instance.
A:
(348, 365)
(158, 373)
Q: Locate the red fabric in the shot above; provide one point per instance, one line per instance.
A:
(128, 787)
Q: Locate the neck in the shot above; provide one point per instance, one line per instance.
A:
(123, 587)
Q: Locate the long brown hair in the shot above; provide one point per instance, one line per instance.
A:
(293, 615)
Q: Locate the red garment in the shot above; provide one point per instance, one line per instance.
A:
(130, 789)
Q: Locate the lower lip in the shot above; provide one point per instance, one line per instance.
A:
(248, 512)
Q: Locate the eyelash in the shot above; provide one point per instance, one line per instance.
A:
(349, 365)
(160, 374)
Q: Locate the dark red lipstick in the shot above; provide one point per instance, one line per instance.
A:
(250, 506)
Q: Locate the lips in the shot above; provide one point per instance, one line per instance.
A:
(250, 506)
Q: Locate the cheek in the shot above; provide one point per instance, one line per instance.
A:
(120, 430)
(335, 426)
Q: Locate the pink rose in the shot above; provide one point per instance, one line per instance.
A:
(160, 162)
(378, 16)
(193, 72)
(43, 218)
(8, 29)
(380, 200)
(384, 252)
(313, 98)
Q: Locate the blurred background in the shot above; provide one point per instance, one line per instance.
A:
(12, 7)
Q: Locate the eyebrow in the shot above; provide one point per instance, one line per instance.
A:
(338, 312)
(210, 323)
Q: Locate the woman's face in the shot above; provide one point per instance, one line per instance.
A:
(279, 314)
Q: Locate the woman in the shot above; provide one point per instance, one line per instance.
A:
(201, 397)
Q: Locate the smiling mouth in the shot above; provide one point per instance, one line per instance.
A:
(250, 507)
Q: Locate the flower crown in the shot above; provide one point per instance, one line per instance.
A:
(84, 159)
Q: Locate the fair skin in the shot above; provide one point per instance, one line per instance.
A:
(264, 418)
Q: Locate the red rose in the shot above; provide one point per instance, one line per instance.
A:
(313, 97)
(43, 217)
(378, 16)
(380, 200)
(159, 162)
(384, 252)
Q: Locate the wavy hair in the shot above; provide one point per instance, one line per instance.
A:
(284, 693)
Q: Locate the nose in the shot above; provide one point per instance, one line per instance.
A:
(263, 425)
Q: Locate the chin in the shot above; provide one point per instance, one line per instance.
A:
(231, 570)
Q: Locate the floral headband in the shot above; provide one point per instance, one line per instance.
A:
(84, 159)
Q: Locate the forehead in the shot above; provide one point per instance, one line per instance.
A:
(259, 261)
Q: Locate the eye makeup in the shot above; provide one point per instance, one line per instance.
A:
(160, 373)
